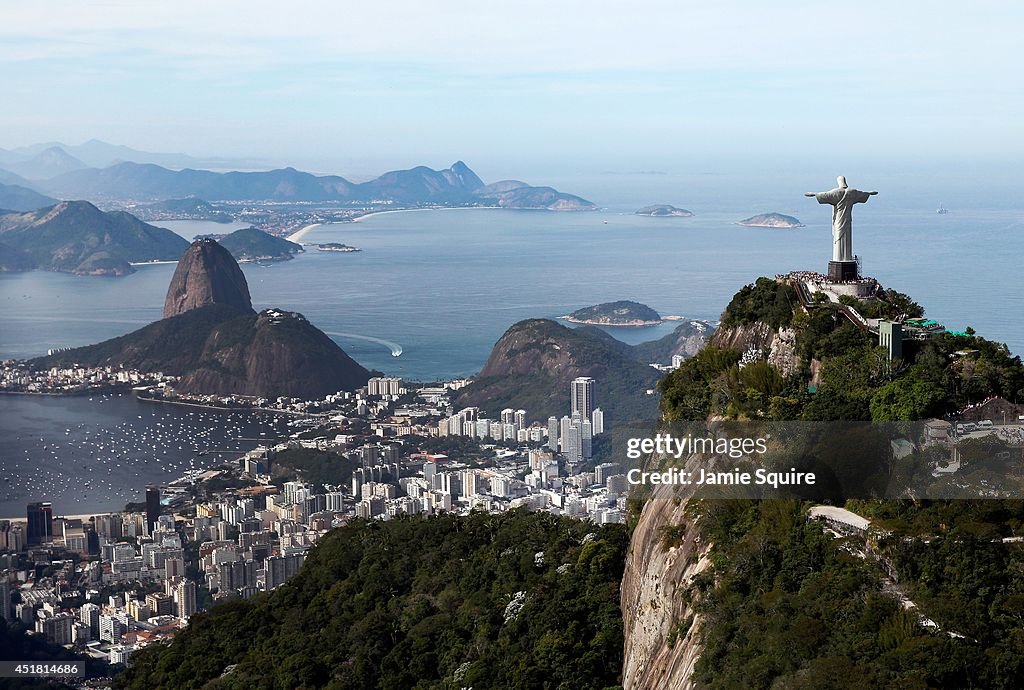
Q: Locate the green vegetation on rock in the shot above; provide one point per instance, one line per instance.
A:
(77, 237)
(219, 349)
(533, 363)
(517, 600)
(765, 300)
(855, 379)
(787, 605)
(311, 465)
(251, 244)
(623, 312)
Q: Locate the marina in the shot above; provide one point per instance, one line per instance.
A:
(97, 454)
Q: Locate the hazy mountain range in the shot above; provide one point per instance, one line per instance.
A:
(420, 185)
(101, 172)
(17, 198)
(100, 154)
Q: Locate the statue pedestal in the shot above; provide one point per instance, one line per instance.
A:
(842, 270)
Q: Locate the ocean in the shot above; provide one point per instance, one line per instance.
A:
(95, 454)
(442, 286)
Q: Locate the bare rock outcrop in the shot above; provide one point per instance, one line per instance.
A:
(662, 628)
(759, 340)
(206, 274)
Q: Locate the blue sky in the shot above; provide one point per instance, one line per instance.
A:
(348, 87)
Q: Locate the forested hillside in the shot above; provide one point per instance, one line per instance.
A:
(517, 600)
(785, 604)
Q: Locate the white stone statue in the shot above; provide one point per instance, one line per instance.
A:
(842, 199)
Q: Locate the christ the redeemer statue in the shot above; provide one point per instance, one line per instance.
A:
(842, 199)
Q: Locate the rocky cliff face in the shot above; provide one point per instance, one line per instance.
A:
(661, 626)
(760, 341)
(687, 338)
(206, 274)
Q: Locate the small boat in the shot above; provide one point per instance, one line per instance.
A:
(942, 210)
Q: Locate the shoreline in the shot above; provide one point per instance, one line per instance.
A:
(769, 225)
(302, 232)
(264, 410)
(70, 394)
(79, 516)
(630, 324)
(627, 324)
(442, 208)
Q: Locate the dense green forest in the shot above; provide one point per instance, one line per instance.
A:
(857, 380)
(318, 467)
(517, 600)
(786, 605)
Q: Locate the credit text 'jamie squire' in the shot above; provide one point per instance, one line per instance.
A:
(760, 477)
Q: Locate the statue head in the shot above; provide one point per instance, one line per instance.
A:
(841, 181)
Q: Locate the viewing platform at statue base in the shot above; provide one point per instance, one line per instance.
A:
(843, 271)
(861, 288)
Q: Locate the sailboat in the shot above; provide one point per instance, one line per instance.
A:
(942, 210)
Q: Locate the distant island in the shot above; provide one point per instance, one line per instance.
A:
(621, 313)
(336, 247)
(519, 195)
(771, 220)
(663, 211)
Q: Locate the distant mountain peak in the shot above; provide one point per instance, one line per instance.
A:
(49, 162)
(206, 274)
(465, 177)
(59, 152)
(83, 209)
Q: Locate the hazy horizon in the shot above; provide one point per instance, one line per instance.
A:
(663, 86)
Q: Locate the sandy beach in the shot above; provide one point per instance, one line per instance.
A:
(438, 208)
(301, 232)
(80, 516)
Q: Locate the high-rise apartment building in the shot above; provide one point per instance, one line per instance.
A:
(582, 390)
(553, 434)
(40, 523)
(152, 507)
